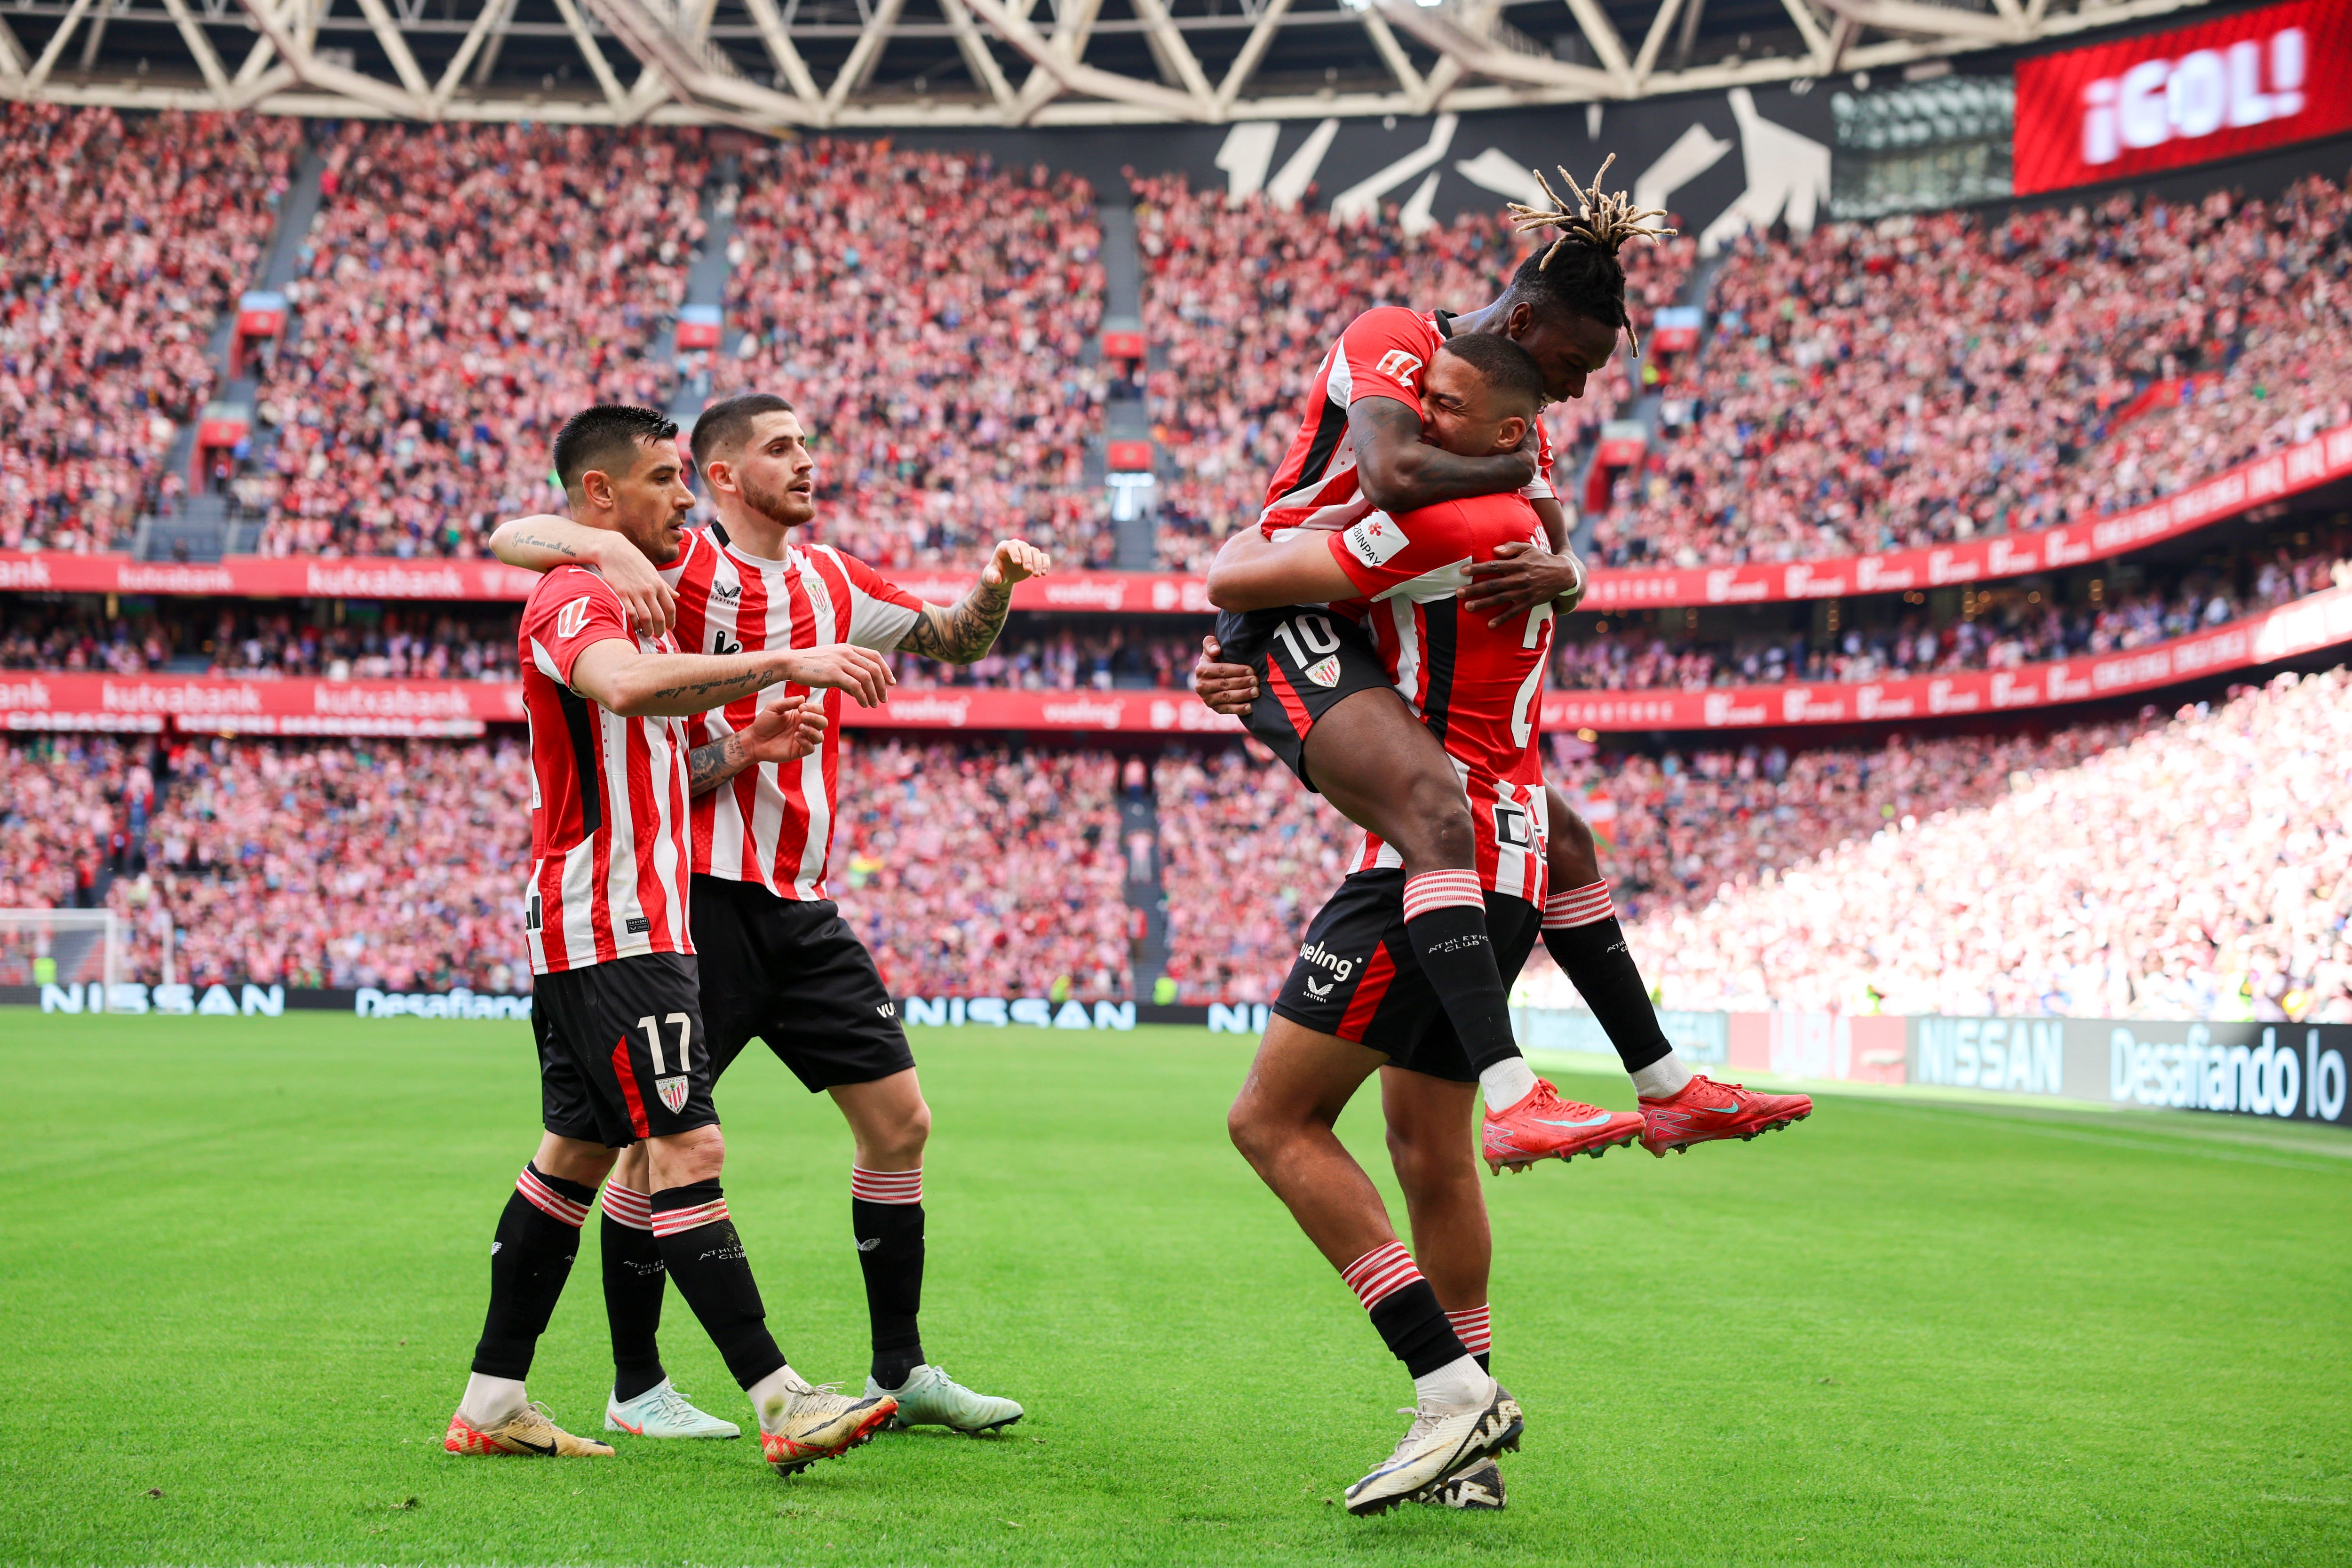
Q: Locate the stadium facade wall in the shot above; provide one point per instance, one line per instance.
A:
(2291, 472)
(204, 705)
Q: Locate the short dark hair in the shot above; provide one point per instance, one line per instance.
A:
(1502, 363)
(1584, 279)
(606, 436)
(727, 422)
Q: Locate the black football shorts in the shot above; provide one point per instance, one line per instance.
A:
(1356, 975)
(792, 973)
(1308, 660)
(621, 1055)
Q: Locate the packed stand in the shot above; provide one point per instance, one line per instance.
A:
(253, 642)
(1248, 854)
(125, 241)
(2201, 869)
(398, 865)
(930, 316)
(465, 290)
(1930, 379)
(986, 872)
(2002, 628)
(1240, 302)
(1069, 657)
(72, 813)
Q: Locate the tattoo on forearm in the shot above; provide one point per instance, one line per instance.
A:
(733, 686)
(555, 545)
(707, 767)
(964, 631)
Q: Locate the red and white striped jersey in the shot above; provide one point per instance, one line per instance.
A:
(772, 825)
(1381, 354)
(1479, 690)
(608, 876)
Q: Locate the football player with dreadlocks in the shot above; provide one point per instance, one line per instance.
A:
(1353, 697)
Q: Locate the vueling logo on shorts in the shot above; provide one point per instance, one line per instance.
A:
(1321, 957)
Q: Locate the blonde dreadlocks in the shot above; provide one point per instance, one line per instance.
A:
(1591, 235)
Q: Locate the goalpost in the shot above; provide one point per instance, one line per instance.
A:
(84, 945)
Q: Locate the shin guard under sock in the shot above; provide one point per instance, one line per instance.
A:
(635, 1282)
(1581, 933)
(1404, 1309)
(886, 1214)
(1446, 921)
(703, 1254)
(531, 1258)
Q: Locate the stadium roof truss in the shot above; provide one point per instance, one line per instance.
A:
(784, 65)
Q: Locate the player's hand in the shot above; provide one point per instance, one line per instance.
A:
(860, 671)
(652, 607)
(1015, 560)
(1227, 689)
(1522, 575)
(783, 731)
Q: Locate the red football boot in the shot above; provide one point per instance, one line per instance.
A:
(1543, 1126)
(1705, 1110)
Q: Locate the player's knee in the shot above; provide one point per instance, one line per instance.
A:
(699, 1154)
(1252, 1131)
(1436, 826)
(898, 1145)
(1573, 859)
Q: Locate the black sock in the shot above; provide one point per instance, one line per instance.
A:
(1446, 921)
(531, 1258)
(704, 1254)
(890, 1252)
(1416, 1331)
(635, 1282)
(1594, 958)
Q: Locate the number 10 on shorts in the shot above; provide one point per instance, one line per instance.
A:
(671, 1089)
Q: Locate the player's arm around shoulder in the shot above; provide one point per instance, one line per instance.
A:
(544, 541)
(1254, 573)
(964, 632)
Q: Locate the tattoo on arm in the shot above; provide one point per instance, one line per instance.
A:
(548, 544)
(964, 632)
(733, 686)
(708, 767)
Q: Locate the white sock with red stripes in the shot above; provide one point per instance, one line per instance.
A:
(1405, 1311)
(1474, 1329)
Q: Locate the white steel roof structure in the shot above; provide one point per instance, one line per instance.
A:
(781, 67)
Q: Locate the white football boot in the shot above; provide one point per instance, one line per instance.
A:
(662, 1411)
(932, 1398)
(1436, 1446)
(1477, 1485)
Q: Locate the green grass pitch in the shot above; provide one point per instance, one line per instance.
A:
(244, 1268)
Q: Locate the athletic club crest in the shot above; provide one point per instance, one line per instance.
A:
(672, 1091)
(1324, 672)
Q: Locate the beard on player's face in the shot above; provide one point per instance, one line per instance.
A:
(782, 505)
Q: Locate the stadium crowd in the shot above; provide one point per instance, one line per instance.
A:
(1928, 379)
(930, 316)
(260, 642)
(988, 871)
(465, 290)
(1242, 301)
(126, 240)
(2002, 627)
(2199, 869)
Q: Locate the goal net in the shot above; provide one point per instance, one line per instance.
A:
(61, 947)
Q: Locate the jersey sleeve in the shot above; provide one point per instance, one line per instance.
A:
(1539, 488)
(1381, 354)
(1381, 552)
(879, 610)
(571, 610)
